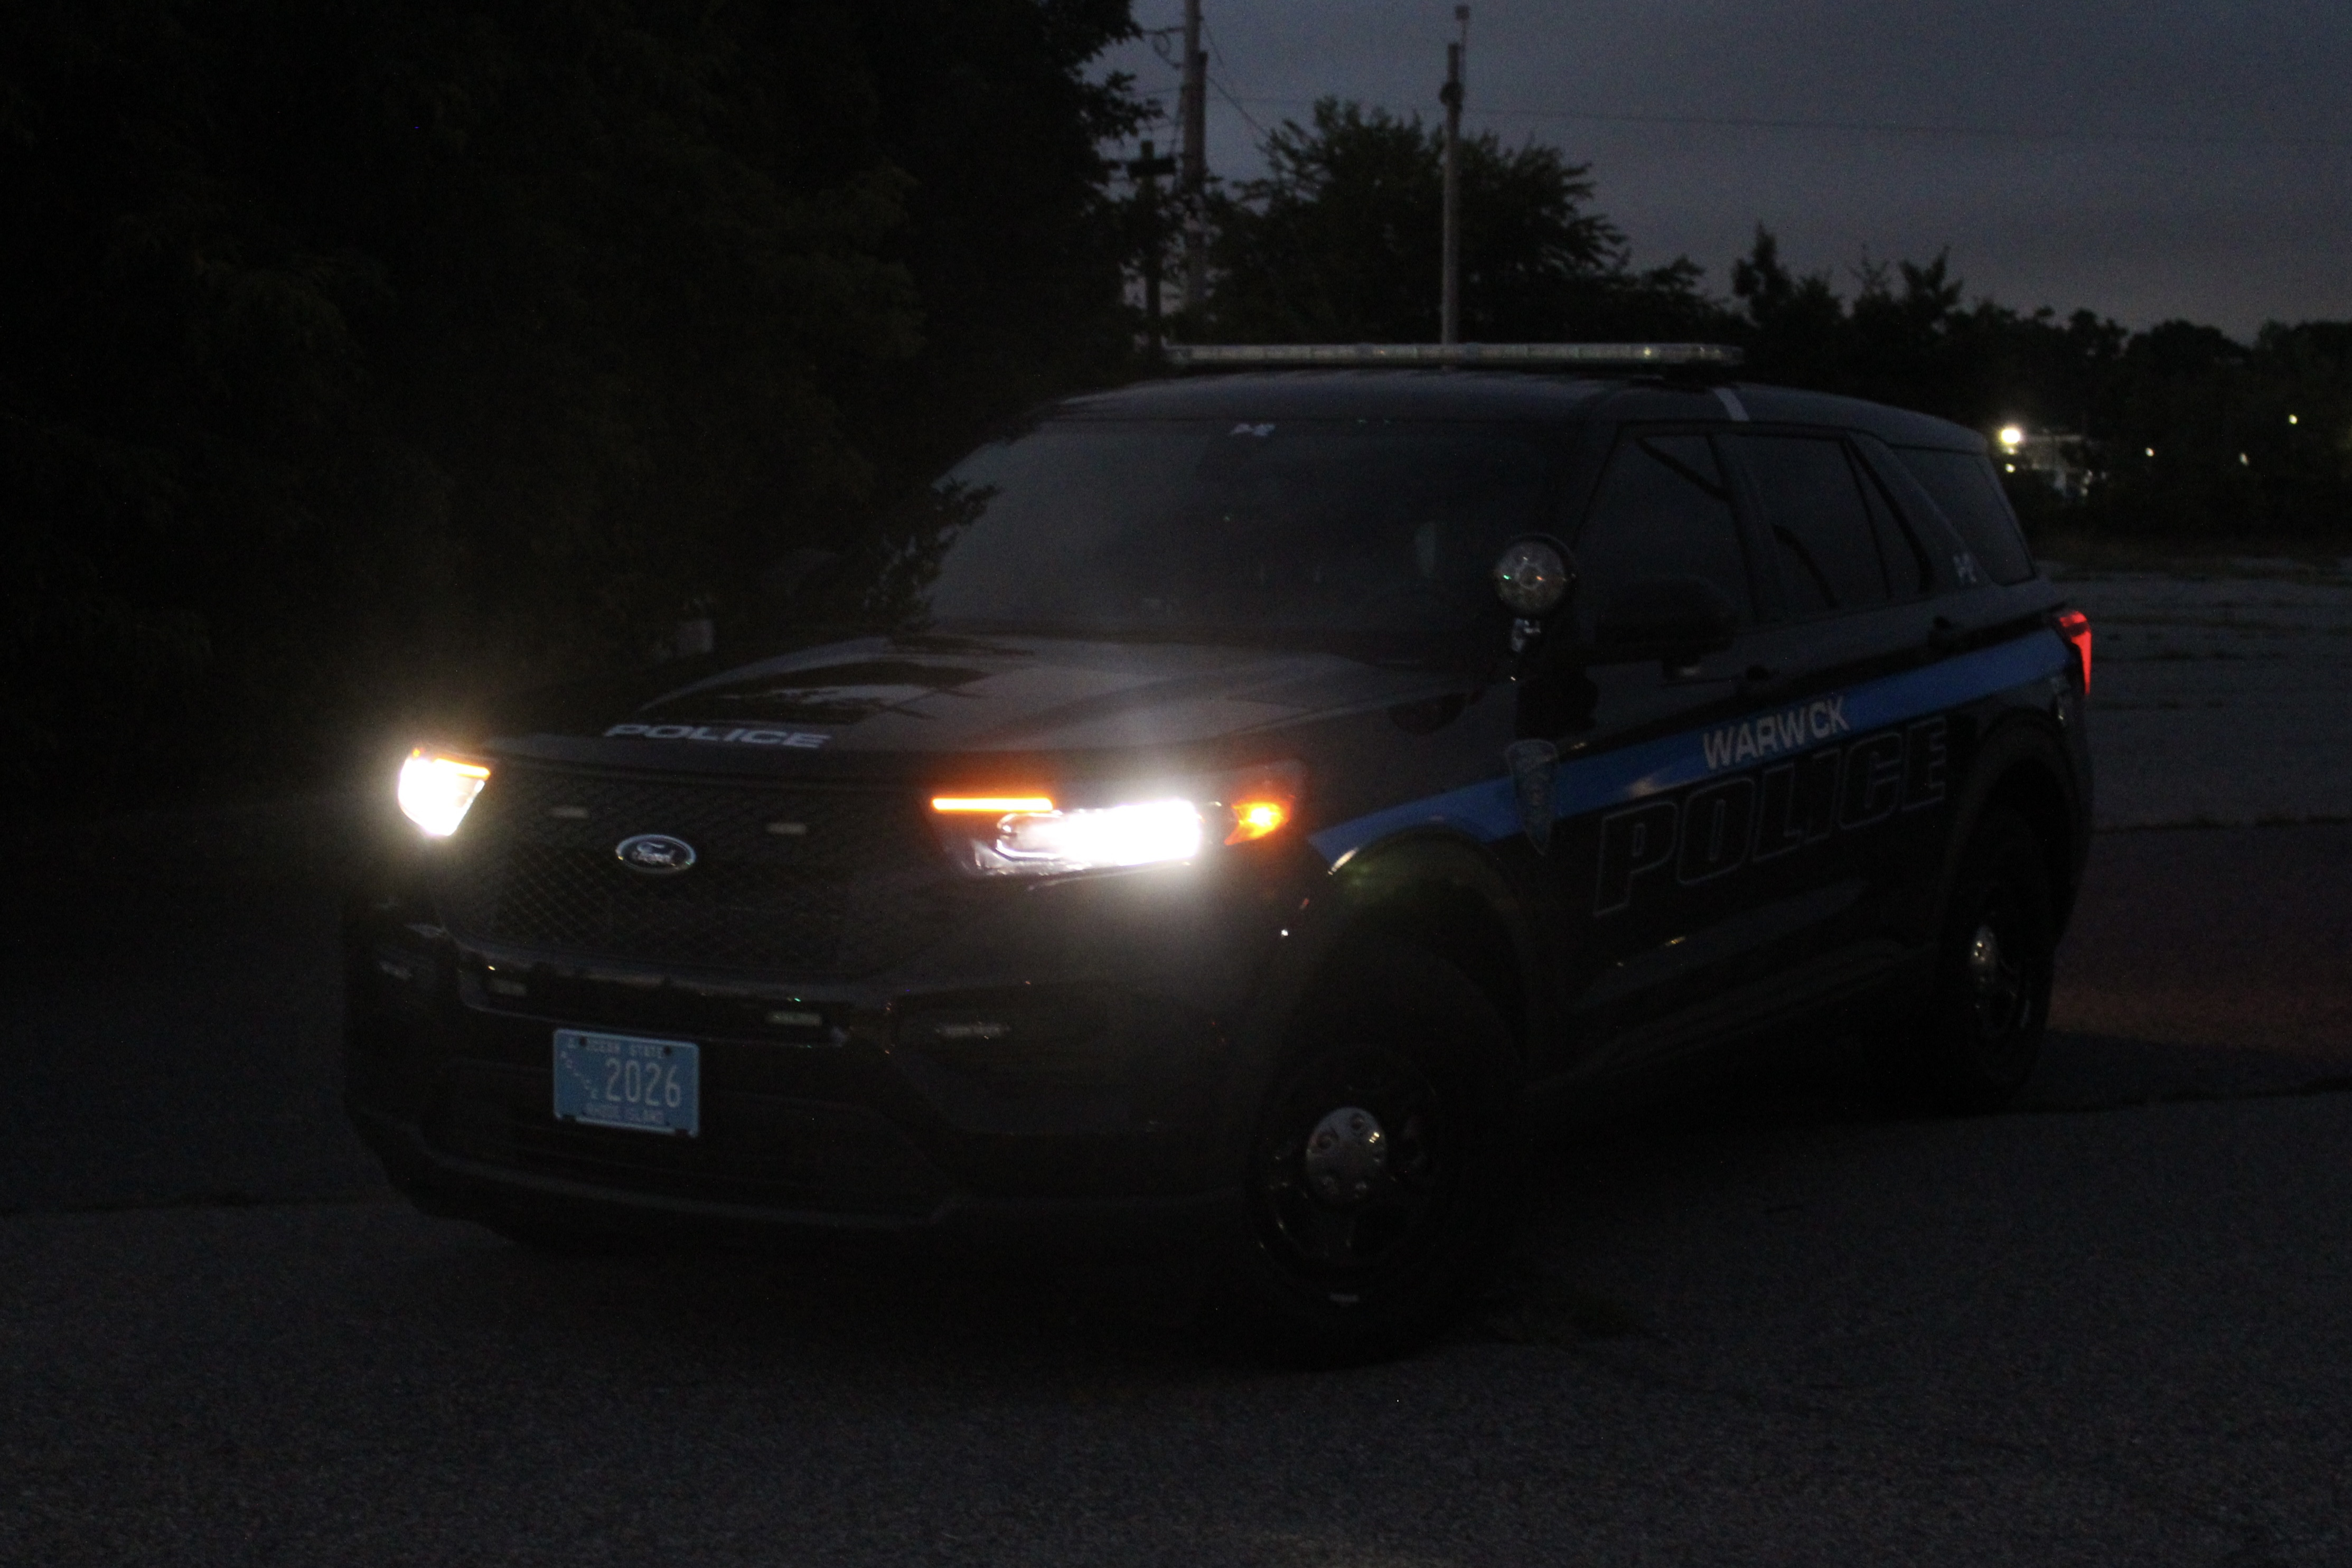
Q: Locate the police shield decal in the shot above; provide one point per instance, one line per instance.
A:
(1533, 765)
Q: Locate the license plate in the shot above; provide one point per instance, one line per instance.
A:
(621, 1080)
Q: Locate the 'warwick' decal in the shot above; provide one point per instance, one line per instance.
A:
(1771, 734)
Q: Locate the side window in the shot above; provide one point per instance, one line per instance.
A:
(1821, 527)
(1965, 488)
(1909, 574)
(1663, 510)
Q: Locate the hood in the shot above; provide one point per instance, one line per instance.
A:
(925, 696)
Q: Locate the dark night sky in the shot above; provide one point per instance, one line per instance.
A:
(2152, 160)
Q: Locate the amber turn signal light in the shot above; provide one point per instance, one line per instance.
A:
(997, 805)
(1256, 818)
(1261, 801)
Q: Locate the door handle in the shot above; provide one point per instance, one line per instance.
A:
(1762, 679)
(1943, 636)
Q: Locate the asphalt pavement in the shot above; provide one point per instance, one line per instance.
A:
(1770, 1322)
(2105, 1338)
(2219, 694)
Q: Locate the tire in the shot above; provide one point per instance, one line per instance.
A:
(1980, 1034)
(1385, 1164)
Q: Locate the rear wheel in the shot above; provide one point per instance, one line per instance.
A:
(1384, 1167)
(1980, 1036)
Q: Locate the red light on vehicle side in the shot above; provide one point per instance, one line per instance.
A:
(2075, 627)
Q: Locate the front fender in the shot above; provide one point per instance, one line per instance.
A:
(1434, 886)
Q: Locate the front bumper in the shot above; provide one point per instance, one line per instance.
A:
(454, 1185)
(1062, 1068)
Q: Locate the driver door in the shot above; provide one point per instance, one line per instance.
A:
(1648, 853)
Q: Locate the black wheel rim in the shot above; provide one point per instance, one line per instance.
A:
(1353, 1170)
(2001, 967)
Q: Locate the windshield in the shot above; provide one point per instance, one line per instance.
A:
(1333, 530)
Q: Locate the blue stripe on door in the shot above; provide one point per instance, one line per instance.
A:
(1486, 811)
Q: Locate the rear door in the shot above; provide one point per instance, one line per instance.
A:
(1850, 749)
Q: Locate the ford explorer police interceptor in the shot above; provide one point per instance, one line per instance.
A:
(1222, 807)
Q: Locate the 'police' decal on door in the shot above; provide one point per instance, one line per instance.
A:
(1727, 823)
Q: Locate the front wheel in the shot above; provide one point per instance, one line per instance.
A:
(1981, 1035)
(1384, 1167)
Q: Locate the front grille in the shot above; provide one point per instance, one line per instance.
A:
(859, 886)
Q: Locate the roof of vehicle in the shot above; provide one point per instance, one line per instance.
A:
(1895, 426)
(1497, 395)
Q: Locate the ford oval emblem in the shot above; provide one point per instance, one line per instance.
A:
(656, 854)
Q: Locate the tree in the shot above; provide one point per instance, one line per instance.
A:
(1338, 242)
(351, 355)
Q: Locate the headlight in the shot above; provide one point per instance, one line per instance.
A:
(1030, 835)
(436, 791)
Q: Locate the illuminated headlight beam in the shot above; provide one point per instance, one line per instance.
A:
(1028, 831)
(1148, 832)
(436, 791)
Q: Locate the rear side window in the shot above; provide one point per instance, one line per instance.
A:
(1908, 573)
(1663, 511)
(1821, 532)
(1962, 484)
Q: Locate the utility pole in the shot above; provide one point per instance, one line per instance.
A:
(1192, 106)
(1449, 309)
(1147, 170)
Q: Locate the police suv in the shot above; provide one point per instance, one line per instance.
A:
(1224, 806)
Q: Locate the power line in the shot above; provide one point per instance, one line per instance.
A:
(1223, 91)
(1982, 132)
(1246, 116)
(1899, 128)
(1216, 48)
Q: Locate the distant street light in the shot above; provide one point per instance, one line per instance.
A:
(2013, 436)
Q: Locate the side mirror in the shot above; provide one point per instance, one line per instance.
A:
(1534, 577)
(1676, 619)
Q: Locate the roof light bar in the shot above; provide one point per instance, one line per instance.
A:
(1592, 356)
